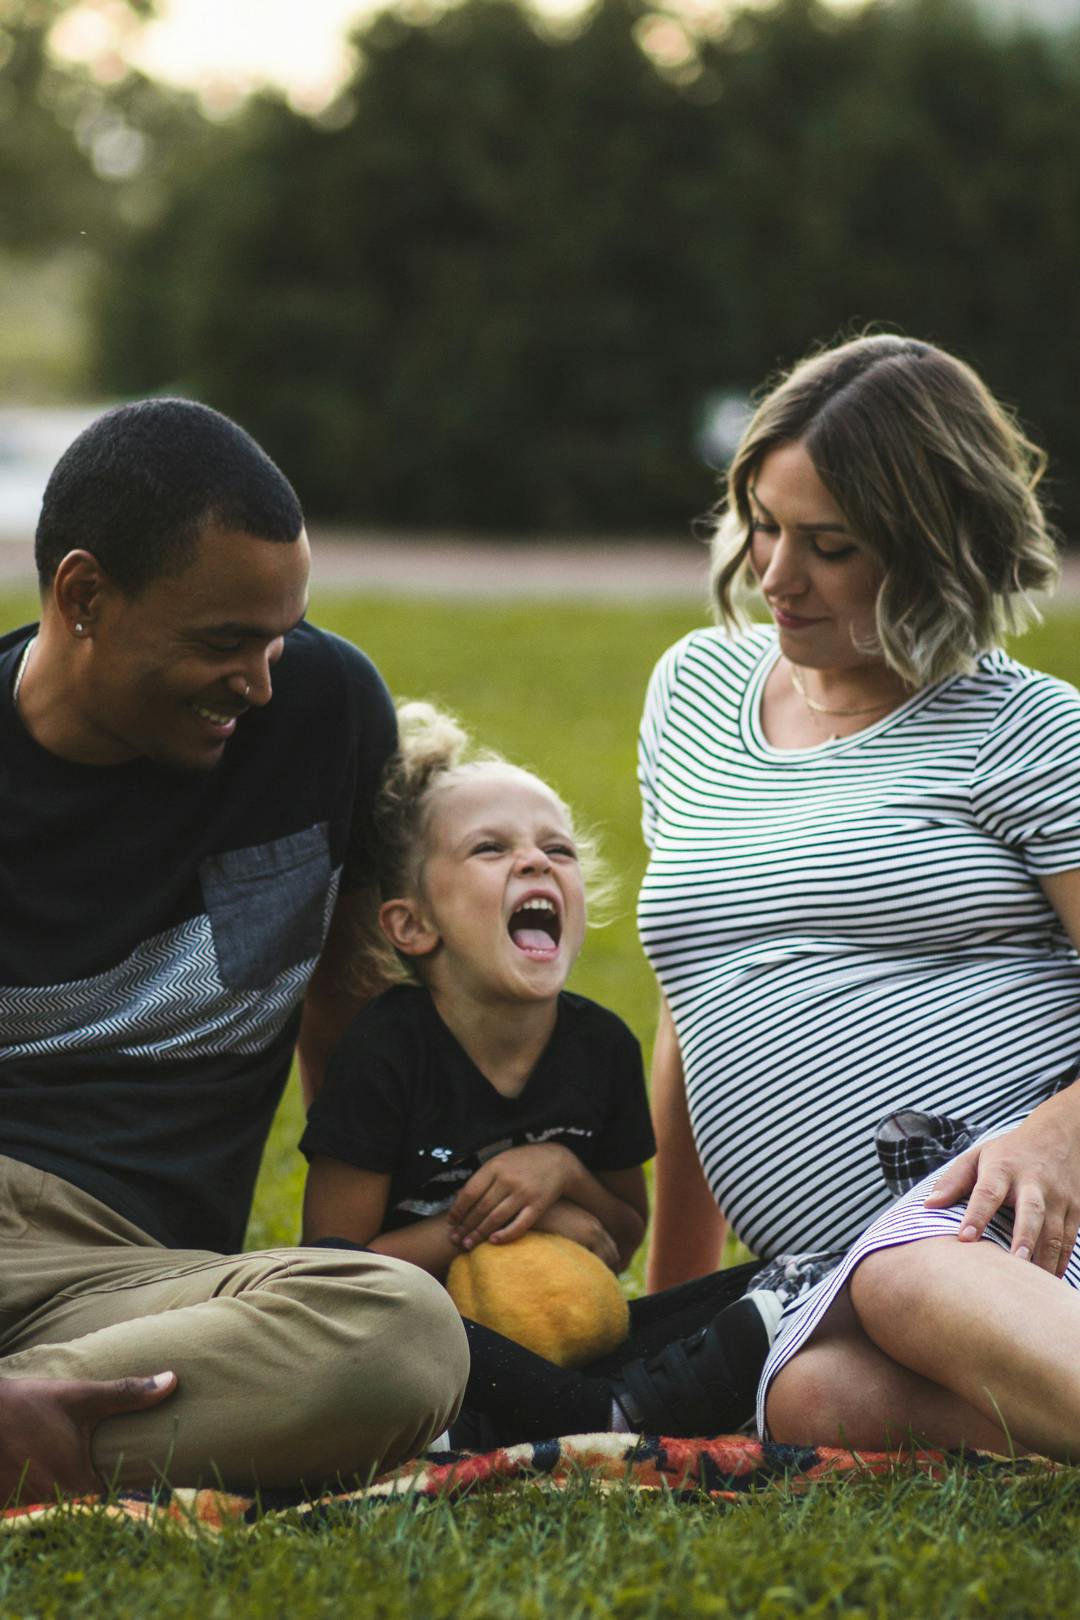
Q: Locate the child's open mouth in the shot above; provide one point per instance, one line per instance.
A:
(535, 928)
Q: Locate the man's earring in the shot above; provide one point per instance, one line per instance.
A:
(78, 629)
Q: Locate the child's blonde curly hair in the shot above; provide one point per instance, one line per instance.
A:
(434, 753)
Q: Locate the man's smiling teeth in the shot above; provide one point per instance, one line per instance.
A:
(212, 716)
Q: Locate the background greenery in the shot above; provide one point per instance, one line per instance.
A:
(497, 282)
(515, 267)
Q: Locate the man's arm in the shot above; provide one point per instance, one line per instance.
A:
(338, 990)
(344, 980)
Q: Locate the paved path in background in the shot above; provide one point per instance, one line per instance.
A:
(418, 565)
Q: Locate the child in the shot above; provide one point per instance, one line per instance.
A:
(481, 1100)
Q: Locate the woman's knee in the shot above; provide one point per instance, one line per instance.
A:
(801, 1406)
(831, 1392)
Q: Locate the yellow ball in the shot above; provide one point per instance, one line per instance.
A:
(544, 1291)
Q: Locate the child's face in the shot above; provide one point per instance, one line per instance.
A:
(501, 889)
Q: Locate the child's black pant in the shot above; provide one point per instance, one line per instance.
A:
(514, 1395)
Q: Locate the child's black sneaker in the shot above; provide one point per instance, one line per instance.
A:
(705, 1384)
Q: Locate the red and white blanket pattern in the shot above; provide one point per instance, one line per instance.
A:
(723, 1469)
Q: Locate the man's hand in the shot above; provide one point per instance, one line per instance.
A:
(1034, 1169)
(571, 1221)
(46, 1426)
(509, 1193)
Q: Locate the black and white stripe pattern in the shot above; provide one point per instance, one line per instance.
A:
(850, 930)
(165, 1001)
(906, 1222)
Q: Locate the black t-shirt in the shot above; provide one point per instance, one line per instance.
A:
(158, 929)
(403, 1098)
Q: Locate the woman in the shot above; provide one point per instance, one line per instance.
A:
(863, 902)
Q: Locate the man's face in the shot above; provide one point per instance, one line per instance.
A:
(172, 671)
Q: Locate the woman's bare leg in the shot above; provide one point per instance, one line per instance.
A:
(999, 1333)
(842, 1390)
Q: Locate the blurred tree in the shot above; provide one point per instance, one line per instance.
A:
(457, 307)
(80, 154)
(46, 183)
(64, 135)
(495, 283)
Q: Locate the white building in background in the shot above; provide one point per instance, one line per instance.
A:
(32, 440)
(1047, 13)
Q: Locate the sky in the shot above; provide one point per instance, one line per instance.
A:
(224, 48)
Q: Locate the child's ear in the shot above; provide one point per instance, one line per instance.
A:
(408, 930)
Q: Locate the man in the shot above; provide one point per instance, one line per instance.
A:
(188, 768)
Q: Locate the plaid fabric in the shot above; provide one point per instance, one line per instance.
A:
(725, 1470)
(911, 1145)
(790, 1276)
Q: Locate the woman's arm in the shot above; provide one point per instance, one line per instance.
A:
(688, 1229)
(1036, 1167)
(342, 1201)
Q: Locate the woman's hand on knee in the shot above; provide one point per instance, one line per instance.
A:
(1035, 1171)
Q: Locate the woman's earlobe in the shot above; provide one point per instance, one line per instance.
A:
(406, 927)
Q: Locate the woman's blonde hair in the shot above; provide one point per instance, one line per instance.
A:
(933, 476)
(434, 753)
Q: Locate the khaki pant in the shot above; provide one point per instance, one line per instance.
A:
(294, 1364)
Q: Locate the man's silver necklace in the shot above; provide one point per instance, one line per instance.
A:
(20, 672)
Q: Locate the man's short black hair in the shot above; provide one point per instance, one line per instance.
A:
(139, 485)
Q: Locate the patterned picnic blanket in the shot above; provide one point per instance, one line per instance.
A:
(724, 1469)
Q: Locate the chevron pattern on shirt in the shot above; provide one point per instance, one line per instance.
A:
(164, 1001)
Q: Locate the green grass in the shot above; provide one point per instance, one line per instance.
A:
(560, 688)
(963, 1548)
(44, 330)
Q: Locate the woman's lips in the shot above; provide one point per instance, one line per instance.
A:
(791, 621)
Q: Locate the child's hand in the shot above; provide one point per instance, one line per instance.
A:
(569, 1220)
(509, 1194)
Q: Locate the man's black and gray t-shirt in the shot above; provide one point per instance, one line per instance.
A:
(404, 1099)
(158, 929)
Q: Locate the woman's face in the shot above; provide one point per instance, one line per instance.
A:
(819, 580)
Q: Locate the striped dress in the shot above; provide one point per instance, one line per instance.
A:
(850, 930)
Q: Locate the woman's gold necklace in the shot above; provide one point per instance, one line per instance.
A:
(820, 708)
